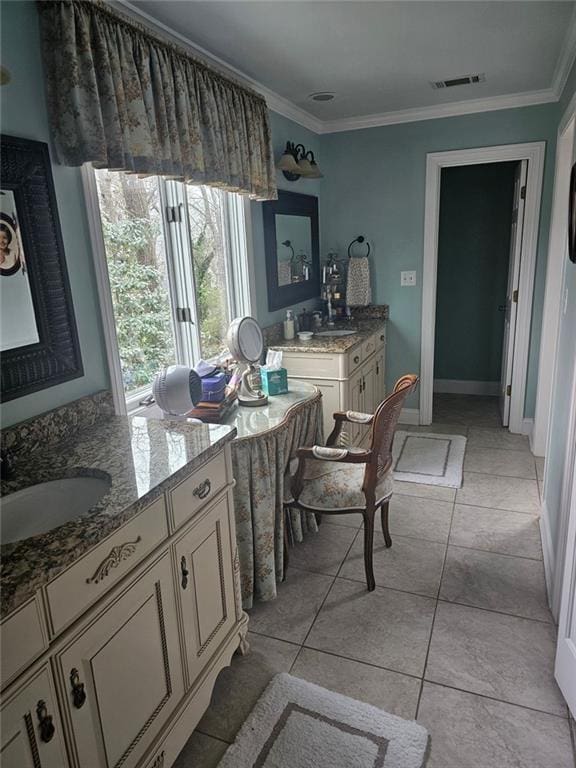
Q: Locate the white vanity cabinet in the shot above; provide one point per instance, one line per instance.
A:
(134, 670)
(350, 380)
(121, 675)
(31, 734)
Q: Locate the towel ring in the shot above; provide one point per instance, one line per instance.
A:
(359, 239)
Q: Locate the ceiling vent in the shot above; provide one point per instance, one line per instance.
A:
(454, 81)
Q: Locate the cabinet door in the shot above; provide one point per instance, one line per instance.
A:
(122, 675)
(206, 585)
(355, 403)
(369, 387)
(330, 402)
(379, 380)
(31, 727)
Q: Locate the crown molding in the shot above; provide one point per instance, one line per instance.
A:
(566, 58)
(300, 116)
(471, 106)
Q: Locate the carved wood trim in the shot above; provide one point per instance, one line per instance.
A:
(212, 635)
(113, 559)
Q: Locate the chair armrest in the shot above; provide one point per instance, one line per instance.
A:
(342, 455)
(356, 417)
(351, 416)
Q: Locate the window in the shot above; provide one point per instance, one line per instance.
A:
(176, 259)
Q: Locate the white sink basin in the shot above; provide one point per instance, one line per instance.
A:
(40, 508)
(348, 332)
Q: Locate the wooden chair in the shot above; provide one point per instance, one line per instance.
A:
(335, 481)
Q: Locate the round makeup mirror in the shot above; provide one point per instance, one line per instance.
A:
(246, 343)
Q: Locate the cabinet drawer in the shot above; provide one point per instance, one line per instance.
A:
(369, 347)
(198, 489)
(355, 358)
(320, 366)
(87, 580)
(32, 733)
(21, 640)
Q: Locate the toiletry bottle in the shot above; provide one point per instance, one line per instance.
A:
(289, 328)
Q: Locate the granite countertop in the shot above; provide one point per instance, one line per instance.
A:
(142, 457)
(338, 344)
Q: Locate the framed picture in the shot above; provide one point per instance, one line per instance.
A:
(38, 337)
(572, 216)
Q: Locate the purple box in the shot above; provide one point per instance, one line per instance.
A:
(214, 388)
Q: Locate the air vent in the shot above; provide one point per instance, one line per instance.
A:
(454, 81)
(322, 96)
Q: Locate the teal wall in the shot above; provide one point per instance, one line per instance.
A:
(283, 130)
(473, 256)
(23, 113)
(374, 185)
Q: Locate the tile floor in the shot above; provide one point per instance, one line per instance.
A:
(457, 633)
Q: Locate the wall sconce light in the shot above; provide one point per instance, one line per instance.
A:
(297, 162)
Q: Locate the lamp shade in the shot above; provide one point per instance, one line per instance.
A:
(288, 163)
(305, 167)
(315, 172)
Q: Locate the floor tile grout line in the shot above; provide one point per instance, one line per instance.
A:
(563, 718)
(433, 620)
(210, 736)
(493, 552)
(465, 470)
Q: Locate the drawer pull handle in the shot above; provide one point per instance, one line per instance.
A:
(202, 490)
(113, 560)
(159, 761)
(78, 692)
(382, 337)
(47, 728)
(356, 359)
(185, 572)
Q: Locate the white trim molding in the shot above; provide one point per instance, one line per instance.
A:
(302, 117)
(547, 553)
(409, 416)
(527, 429)
(465, 387)
(435, 161)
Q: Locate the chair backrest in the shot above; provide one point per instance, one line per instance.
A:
(383, 428)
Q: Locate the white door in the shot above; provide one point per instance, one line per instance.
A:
(565, 669)
(512, 290)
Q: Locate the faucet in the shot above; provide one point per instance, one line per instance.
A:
(329, 307)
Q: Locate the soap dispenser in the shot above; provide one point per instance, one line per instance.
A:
(289, 325)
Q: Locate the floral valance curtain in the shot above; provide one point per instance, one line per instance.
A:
(123, 99)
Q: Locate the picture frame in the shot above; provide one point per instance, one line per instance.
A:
(41, 349)
(572, 216)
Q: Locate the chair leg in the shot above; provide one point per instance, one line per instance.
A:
(369, 548)
(384, 511)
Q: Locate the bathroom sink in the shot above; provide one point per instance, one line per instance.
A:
(43, 507)
(347, 332)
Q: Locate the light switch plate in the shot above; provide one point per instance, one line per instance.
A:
(408, 278)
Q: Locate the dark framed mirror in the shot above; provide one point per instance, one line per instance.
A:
(292, 249)
(38, 337)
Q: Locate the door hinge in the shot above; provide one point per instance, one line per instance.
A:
(509, 390)
(523, 193)
(183, 315)
(515, 297)
(174, 213)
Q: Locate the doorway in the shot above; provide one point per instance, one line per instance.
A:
(528, 160)
(480, 231)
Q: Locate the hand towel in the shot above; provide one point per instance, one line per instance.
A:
(358, 291)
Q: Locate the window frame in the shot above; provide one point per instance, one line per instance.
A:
(177, 242)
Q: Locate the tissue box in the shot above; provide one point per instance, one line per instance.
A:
(213, 388)
(274, 382)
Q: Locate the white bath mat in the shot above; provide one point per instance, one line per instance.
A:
(296, 724)
(425, 457)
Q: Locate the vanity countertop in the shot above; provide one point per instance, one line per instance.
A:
(142, 457)
(332, 344)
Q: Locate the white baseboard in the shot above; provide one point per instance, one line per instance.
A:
(548, 553)
(528, 428)
(463, 387)
(409, 416)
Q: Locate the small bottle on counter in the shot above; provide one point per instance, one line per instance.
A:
(289, 325)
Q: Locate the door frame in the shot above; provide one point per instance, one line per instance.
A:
(435, 161)
(554, 278)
